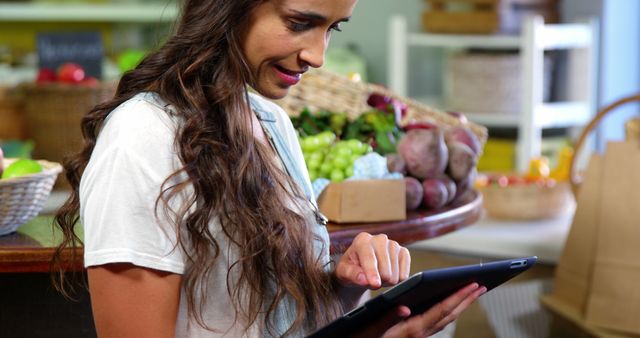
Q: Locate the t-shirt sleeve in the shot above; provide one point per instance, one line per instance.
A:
(118, 196)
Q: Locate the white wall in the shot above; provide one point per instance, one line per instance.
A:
(619, 57)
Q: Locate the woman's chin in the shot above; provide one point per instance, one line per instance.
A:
(273, 93)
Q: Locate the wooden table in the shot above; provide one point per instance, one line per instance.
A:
(30, 248)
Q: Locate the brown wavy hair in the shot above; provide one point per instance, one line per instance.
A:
(202, 72)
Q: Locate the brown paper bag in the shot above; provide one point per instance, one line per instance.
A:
(614, 300)
(575, 267)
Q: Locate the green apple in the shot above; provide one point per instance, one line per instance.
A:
(130, 59)
(21, 167)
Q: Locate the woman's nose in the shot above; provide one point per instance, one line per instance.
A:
(313, 53)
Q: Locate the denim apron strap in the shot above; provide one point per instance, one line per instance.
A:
(269, 121)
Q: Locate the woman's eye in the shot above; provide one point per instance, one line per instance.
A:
(298, 26)
(336, 27)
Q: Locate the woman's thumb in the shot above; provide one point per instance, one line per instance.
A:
(379, 327)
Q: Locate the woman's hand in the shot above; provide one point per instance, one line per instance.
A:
(436, 318)
(375, 261)
(372, 262)
(398, 324)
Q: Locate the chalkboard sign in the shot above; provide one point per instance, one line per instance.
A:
(83, 48)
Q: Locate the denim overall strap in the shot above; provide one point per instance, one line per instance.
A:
(269, 123)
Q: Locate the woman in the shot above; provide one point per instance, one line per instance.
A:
(197, 208)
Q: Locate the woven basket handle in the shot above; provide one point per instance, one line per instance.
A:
(574, 177)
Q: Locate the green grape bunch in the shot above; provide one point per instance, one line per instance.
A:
(328, 157)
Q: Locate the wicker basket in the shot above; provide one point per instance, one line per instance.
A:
(527, 201)
(320, 89)
(54, 112)
(489, 83)
(22, 198)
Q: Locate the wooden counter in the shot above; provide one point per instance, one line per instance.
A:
(30, 248)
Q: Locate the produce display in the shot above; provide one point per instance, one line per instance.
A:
(68, 73)
(537, 193)
(438, 162)
(376, 127)
(539, 173)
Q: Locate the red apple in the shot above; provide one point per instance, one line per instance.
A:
(46, 75)
(71, 73)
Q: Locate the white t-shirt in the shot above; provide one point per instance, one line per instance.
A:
(133, 156)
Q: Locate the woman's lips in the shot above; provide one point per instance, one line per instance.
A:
(289, 77)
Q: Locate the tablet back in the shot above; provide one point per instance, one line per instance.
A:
(425, 289)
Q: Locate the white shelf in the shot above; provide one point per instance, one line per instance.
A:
(536, 38)
(548, 115)
(562, 114)
(123, 13)
(494, 120)
(556, 36)
(565, 36)
(464, 41)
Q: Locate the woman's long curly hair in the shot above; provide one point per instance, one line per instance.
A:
(201, 71)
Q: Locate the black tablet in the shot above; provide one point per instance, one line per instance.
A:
(423, 290)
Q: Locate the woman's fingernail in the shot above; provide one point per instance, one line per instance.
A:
(403, 311)
(483, 290)
(361, 278)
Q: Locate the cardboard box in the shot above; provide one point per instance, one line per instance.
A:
(358, 201)
(485, 16)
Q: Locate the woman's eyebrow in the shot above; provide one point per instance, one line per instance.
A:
(312, 16)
